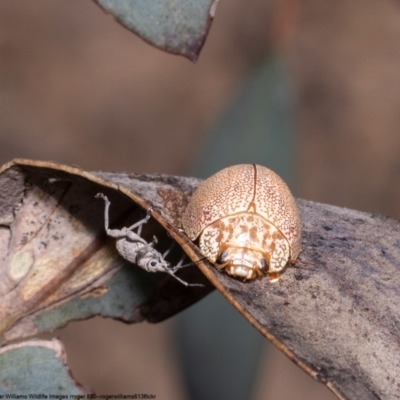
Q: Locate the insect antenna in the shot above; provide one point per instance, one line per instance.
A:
(169, 272)
(294, 264)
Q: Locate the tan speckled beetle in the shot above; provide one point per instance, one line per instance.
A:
(247, 221)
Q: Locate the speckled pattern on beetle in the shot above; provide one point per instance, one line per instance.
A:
(246, 220)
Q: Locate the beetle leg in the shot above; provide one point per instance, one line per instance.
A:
(180, 266)
(106, 209)
(274, 277)
(134, 237)
(123, 232)
(115, 233)
(168, 251)
(140, 223)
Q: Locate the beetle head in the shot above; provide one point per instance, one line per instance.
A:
(152, 261)
(242, 262)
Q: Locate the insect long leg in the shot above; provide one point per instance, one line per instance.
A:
(180, 266)
(167, 252)
(106, 208)
(144, 248)
(140, 223)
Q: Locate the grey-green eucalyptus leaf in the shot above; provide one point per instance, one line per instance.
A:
(37, 367)
(176, 26)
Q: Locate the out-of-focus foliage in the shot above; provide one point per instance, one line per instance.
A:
(36, 367)
(176, 26)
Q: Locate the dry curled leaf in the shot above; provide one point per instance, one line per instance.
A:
(56, 262)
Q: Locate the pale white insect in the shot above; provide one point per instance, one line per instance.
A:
(133, 248)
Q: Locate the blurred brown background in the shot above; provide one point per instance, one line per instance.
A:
(77, 88)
